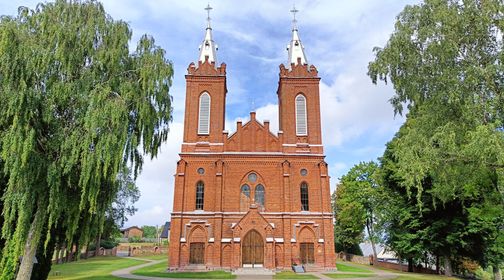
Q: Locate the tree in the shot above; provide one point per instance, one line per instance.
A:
(76, 107)
(445, 61)
(149, 231)
(356, 201)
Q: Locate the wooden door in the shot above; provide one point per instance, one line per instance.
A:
(197, 253)
(307, 253)
(253, 250)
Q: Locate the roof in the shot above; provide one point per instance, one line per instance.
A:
(367, 248)
(166, 230)
(132, 227)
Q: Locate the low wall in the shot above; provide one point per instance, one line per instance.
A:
(147, 250)
(403, 267)
(353, 258)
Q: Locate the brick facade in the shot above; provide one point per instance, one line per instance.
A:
(281, 163)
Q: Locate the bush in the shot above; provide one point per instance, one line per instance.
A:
(106, 244)
(134, 239)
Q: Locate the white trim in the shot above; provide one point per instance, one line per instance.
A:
(269, 239)
(321, 240)
(211, 240)
(272, 225)
(306, 213)
(181, 174)
(253, 153)
(279, 240)
(293, 240)
(202, 143)
(236, 239)
(182, 239)
(226, 240)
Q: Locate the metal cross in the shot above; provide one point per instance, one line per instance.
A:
(294, 11)
(208, 9)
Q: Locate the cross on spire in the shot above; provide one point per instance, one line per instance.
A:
(294, 21)
(208, 9)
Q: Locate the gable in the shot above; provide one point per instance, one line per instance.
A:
(253, 137)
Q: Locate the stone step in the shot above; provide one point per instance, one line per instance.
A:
(253, 271)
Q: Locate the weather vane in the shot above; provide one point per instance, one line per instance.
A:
(294, 11)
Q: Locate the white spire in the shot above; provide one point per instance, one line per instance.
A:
(208, 47)
(295, 48)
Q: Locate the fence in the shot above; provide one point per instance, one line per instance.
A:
(353, 258)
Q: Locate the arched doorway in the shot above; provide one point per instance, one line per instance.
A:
(253, 250)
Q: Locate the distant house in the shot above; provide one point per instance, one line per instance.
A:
(165, 233)
(133, 231)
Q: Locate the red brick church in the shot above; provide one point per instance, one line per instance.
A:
(252, 198)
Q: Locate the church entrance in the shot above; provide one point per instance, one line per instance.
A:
(252, 250)
(197, 253)
(307, 253)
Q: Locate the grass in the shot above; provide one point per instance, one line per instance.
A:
(159, 270)
(292, 275)
(154, 257)
(348, 275)
(91, 269)
(416, 276)
(348, 268)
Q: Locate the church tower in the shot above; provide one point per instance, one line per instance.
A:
(298, 99)
(205, 97)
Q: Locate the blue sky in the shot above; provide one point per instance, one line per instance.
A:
(338, 36)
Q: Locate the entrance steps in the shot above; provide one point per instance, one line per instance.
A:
(253, 271)
(195, 268)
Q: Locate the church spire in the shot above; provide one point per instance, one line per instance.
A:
(295, 48)
(208, 48)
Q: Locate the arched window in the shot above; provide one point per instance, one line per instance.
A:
(259, 197)
(301, 122)
(244, 198)
(204, 114)
(200, 195)
(304, 197)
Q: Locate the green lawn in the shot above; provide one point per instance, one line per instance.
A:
(348, 275)
(347, 268)
(91, 269)
(154, 257)
(292, 275)
(159, 270)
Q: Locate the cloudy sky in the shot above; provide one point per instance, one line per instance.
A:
(338, 37)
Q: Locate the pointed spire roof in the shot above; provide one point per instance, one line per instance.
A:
(295, 47)
(208, 48)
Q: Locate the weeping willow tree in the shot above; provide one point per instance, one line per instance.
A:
(76, 106)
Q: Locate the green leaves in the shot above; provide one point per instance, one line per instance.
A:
(76, 106)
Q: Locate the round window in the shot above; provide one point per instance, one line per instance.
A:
(201, 171)
(252, 177)
(303, 172)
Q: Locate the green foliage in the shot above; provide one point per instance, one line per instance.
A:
(135, 239)
(149, 231)
(354, 203)
(444, 169)
(76, 107)
(106, 244)
(93, 268)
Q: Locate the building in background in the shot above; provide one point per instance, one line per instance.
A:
(133, 231)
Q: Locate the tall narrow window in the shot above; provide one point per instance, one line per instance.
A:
(259, 197)
(204, 114)
(244, 198)
(304, 197)
(301, 122)
(200, 195)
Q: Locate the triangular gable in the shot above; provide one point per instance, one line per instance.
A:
(253, 136)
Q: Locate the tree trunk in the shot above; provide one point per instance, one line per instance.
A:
(437, 264)
(410, 264)
(371, 238)
(497, 272)
(97, 244)
(32, 240)
(447, 266)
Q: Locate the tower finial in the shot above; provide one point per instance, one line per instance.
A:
(294, 21)
(295, 48)
(208, 49)
(208, 9)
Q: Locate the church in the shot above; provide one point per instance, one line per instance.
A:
(252, 198)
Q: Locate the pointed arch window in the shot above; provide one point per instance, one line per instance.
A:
(301, 120)
(200, 195)
(304, 197)
(259, 197)
(204, 114)
(244, 198)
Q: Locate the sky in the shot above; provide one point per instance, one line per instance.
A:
(338, 36)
